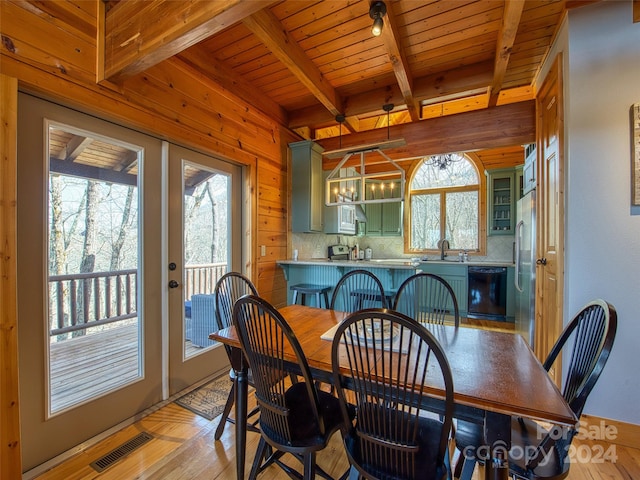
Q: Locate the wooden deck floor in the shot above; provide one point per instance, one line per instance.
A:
(87, 366)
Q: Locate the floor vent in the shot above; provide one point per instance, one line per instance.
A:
(122, 451)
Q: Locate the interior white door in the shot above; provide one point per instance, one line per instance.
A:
(90, 259)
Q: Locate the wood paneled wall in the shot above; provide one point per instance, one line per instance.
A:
(10, 466)
(56, 58)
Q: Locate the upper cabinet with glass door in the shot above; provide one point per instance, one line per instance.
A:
(529, 169)
(501, 201)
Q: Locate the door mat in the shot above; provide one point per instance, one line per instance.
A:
(209, 399)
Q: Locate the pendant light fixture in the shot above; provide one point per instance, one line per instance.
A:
(340, 118)
(377, 10)
(351, 182)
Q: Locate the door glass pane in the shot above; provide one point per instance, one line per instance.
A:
(94, 328)
(207, 245)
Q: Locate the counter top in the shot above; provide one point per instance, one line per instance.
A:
(396, 263)
(400, 263)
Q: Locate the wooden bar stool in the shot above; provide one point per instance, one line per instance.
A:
(310, 289)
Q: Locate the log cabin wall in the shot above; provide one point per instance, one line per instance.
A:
(55, 57)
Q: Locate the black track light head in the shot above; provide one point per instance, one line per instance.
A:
(377, 10)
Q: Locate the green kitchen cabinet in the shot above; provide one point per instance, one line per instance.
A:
(456, 275)
(529, 169)
(383, 219)
(307, 187)
(501, 201)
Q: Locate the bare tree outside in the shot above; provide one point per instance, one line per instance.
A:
(206, 221)
(127, 218)
(444, 204)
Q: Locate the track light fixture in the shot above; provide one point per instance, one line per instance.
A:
(377, 10)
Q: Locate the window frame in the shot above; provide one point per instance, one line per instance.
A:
(480, 187)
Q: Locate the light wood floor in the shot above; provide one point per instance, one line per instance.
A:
(183, 448)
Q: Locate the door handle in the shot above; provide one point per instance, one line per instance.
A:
(516, 277)
(541, 261)
(174, 284)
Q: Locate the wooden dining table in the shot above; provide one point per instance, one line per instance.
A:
(495, 375)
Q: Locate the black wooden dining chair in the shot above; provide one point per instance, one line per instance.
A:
(427, 298)
(295, 418)
(229, 288)
(382, 360)
(585, 344)
(356, 290)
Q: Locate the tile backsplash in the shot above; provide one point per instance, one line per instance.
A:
(314, 245)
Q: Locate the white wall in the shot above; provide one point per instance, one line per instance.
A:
(602, 75)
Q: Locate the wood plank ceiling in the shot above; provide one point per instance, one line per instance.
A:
(305, 62)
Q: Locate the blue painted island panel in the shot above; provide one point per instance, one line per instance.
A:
(328, 273)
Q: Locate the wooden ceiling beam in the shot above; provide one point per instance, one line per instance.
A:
(266, 26)
(506, 38)
(226, 78)
(462, 79)
(391, 39)
(92, 172)
(74, 148)
(128, 161)
(141, 33)
(501, 126)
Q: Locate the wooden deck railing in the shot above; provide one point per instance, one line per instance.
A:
(83, 300)
(202, 278)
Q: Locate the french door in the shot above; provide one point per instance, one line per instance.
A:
(102, 335)
(205, 195)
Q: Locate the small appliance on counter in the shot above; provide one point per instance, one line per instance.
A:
(338, 252)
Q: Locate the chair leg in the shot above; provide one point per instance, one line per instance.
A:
(466, 471)
(251, 426)
(226, 411)
(457, 469)
(260, 453)
(310, 466)
(326, 300)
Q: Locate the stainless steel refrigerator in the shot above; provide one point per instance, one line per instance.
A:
(525, 268)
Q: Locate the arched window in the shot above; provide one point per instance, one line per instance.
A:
(445, 203)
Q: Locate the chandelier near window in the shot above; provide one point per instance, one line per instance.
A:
(442, 161)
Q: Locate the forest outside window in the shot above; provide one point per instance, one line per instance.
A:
(444, 203)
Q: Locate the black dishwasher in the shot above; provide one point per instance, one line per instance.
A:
(488, 293)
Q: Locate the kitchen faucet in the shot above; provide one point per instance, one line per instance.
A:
(444, 245)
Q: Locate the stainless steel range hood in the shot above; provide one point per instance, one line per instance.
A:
(361, 216)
